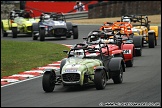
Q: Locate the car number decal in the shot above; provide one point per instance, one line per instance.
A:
(126, 51)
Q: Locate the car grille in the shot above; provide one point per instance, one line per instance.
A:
(71, 77)
(60, 31)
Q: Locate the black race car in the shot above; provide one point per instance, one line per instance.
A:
(54, 25)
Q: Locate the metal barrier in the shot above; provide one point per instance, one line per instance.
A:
(77, 15)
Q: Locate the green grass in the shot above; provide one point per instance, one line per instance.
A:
(23, 56)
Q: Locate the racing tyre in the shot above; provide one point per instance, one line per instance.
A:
(48, 81)
(151, 40)
(75, 32)
(35, 28)
(14, 32)
(129, 63)
(138, 52)
(100, 79)
(138, 43)
(119, 78)
(42, 34)
(34, 37)
(4, 34)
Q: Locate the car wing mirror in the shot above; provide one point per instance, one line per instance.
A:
(149, 21)
(85, 38)
(65, 51)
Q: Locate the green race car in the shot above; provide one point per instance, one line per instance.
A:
(19, 21)
(84, 66)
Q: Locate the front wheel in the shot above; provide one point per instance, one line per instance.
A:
(14, 32)
(100, 79)
(48, 81)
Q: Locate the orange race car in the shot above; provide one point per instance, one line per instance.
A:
(124, 30)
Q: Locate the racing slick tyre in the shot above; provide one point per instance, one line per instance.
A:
(151, 40)
(129, 63)
(35, 28)
(48, 81)
(119, 77)
(100, 79)
(75, 32)
(4, 34)
(14, 32)
(42, 34)
(34, 37)
(138, 43)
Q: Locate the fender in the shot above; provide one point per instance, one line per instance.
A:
(155, 28)
(114, 64)
(74, 25)
(102, 68)
(5, 24)
(128, 50)
(50, 71)
(63, 62)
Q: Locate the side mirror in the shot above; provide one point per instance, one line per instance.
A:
(65, 51)
(85, 38)
(149, 21)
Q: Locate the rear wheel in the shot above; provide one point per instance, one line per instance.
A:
(138, 43)
(42, 34)
(35, 28)
(138, 52)
(118, 78)
(151, 40)
(14, 32)
(48, 81)
(129, 63)
(100, 79)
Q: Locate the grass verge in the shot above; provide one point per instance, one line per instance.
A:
(23, 56)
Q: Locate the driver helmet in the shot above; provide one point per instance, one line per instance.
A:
(79, 53)
(94, 37)
(126, 19)
(46, 17)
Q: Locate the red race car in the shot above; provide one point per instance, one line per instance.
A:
(124, 31)
(116, 45)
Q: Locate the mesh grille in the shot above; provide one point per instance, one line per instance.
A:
(70, 77)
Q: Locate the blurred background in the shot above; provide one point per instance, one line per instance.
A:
(103, 8)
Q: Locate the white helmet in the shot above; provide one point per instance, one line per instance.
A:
(46, 17)
(126, 19)
(79, 53)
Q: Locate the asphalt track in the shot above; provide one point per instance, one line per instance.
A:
(141, 84)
